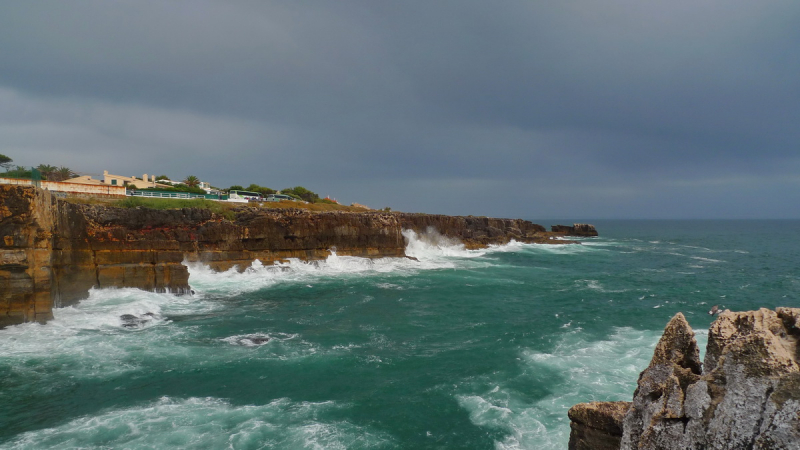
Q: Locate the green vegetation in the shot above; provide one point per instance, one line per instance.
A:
(48, 172)
(192, 181)
(220, 208)
(302, 193)
(190, 184)
(260, 189)
(19, 172)
(297, 193)
(62, 173)
(5, 162)
(175, 188)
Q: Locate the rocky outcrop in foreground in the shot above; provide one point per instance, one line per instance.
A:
(52, 251)
(745, 394)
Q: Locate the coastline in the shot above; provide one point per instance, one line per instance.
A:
(54, 251)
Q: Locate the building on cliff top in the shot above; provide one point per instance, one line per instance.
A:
(120, 180)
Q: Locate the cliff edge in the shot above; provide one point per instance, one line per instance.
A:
(53, 251)
(745, 394)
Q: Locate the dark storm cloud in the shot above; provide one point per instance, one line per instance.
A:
(575, 108)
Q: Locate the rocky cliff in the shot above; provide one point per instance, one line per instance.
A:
(745, 394)
(54, 251)
(578, 229)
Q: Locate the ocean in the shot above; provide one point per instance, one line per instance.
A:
(460, 349)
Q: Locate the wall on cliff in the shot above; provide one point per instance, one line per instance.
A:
(746, 393)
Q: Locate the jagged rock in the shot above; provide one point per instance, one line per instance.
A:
(597, 425)
(657, 413)
(577, 229)
(134, 321)
(747, 395)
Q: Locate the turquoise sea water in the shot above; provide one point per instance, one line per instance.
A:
(459, 350)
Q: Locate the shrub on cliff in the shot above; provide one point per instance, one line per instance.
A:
(302, 193)
(260, 189)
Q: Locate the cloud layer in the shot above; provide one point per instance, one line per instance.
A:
(571, 109)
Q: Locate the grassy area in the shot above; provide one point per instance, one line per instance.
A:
(310, 206)
(170, 203)
(223, 208)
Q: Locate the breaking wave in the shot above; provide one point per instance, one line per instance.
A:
(576, 370)
(209, 423)
(426, 251)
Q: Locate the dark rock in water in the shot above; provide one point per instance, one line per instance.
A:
(745, 395)
(577, 229)
(133, 321)
(250, 340)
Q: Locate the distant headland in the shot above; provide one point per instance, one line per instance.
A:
(54, 249)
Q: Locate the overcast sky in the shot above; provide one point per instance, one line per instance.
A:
(536, 109)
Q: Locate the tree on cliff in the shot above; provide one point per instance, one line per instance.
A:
(302, 193)
(47, 170)
(5, 162)
(260, 189)
(192, 181)
(63, 173)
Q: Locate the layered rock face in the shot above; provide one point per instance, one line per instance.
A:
(25, 255)
(53, 251)
(477, 232)
(745, 395)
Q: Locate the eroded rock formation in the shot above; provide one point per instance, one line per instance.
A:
(577, 229)
(597, 425)
(53, 252)
(746, 394)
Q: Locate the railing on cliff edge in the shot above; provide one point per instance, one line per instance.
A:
(168, 194)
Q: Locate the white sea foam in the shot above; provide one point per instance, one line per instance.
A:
(596, 286)
(427, 251)
(700, 258)
(258, 339)
(208, 423)
(562, 249)
(95, 337)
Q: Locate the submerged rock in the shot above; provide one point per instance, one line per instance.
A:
(134, 321)
(747, 394)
